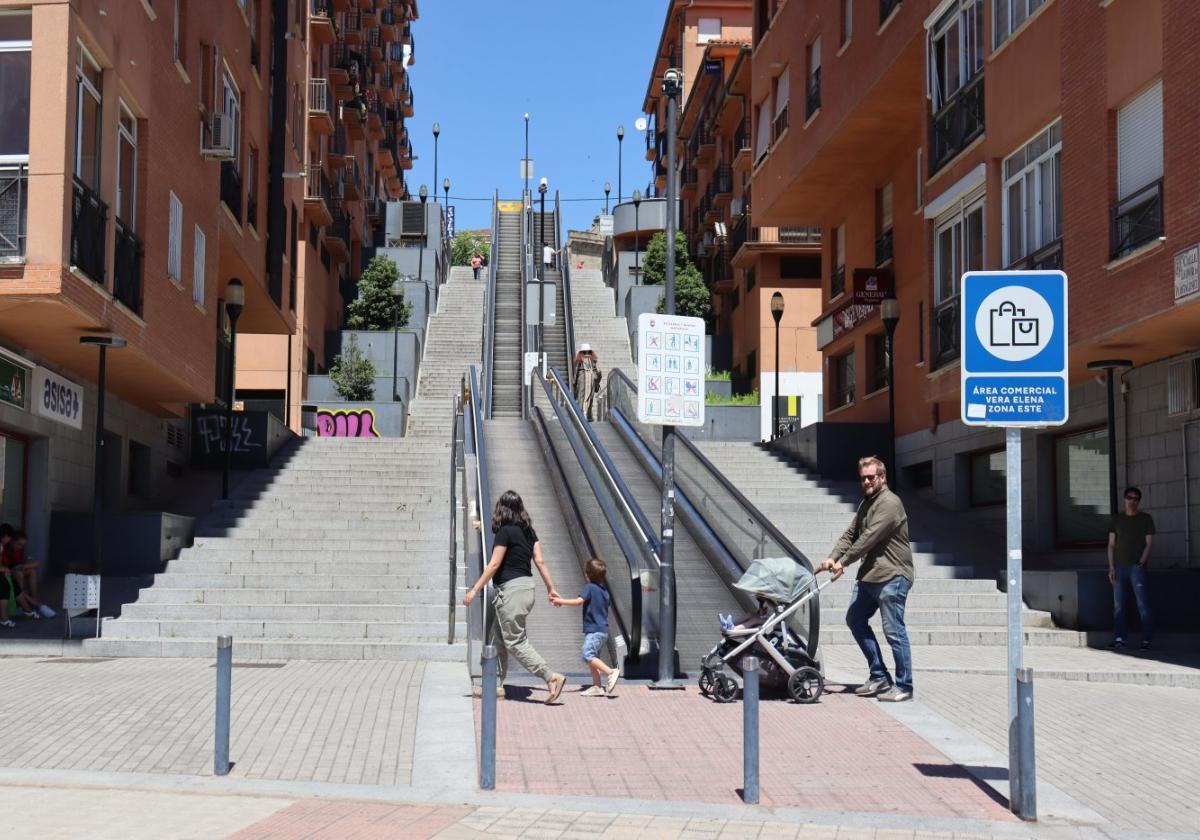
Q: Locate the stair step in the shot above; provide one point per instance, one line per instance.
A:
(283, 649)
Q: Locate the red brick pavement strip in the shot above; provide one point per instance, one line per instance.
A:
(355, 821)
(842, 754)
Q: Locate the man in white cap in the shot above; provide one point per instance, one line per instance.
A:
(586, 383)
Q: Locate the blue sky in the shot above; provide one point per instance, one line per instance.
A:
(579, 68)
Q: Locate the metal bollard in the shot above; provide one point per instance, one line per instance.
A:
(1027, 769)
(487, 725)
(224, 687)
(750, 730)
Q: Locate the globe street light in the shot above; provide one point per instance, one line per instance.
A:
(446, 190)
(424, 194)
(437, 130)
(620, 159)
(889, 313)
(777, 314)
(637, 241)
(607, 190)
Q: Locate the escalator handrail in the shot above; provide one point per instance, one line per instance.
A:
(568, 313)
(526, 276)
(489, 314)
(484, 495)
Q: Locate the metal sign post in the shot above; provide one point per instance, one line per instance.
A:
(1014, 376)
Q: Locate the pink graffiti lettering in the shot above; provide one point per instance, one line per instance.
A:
(342, 423)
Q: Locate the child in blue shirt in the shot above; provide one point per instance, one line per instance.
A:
(595, 601)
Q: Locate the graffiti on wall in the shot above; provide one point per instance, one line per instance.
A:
(355, 422)
(249, 438)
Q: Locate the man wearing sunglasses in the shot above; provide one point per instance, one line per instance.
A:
(1129, 539)
(878, 537)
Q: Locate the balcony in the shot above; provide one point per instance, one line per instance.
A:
(886, 7)
(690, 179)
(375, 44)
(747, 241)
(703, 141)
(352, 29)
(318, 196)
(127, 269)
(337, 235)
(320, 21)
(13, 211)
(812, 96)
(946, 330)
(742, 151)
(320, 117)
(1137, 220)
(1047, 258)
(351, 181)
(723, 181)
(956, 125)
(231, 189)
(884, 244)
(387, 24)
(385, 153)
(386, 83)
(89, 223)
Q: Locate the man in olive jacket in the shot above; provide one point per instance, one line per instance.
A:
(879, 537)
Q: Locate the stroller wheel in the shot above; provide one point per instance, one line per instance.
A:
(806, 685)
(707, 679)
(724, 689)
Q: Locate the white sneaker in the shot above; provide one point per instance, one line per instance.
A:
(611, 682)
(593, 691)
(46, 611)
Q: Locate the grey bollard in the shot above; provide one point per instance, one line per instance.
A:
(1027, 769)
(750, 730)
(224, 687)
(487, 724)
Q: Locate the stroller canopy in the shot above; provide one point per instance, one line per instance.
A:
(780, 579)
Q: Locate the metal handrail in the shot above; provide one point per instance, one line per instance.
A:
(489, 315)
(456, 450)
(564, 264)
(483, 495)
(527, 274)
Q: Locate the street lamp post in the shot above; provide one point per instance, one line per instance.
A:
(98, 466)
(607, 190)
(889, 313)
(620, 159)
(777, 314)
(235, 300)
(437, 130)
(1108, 366)
(424, 194)
(637, 234)
(397, 303)
(446, 190)
(525, 166)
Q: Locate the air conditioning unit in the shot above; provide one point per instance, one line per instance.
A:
(218, 145)
(406, 219)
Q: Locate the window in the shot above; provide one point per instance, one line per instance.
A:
(920, 332)
(837, 279)
(1081, 515)
(231, 107)
(878, 357)
(842, 374)
(252, 186)
(988, 477)
(1183, 386)
(15, 45)
(955, 50)
(781, 94)
(127, 167)
(1032, 213)
(708, 29)
(883, 222)
(762, 137)
(920, 179)
(175, 238)
(198, 259)
(88, 102)
(179, 33)
(958, 248)
(812, 94)
(208, 76)
(847, 21)
(1009, 15)
(1137, 217)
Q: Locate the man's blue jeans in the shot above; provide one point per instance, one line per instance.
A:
(1132, 577)
(887, 598)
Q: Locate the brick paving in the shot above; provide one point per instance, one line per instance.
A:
(843, 753)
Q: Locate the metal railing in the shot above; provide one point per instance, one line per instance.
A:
(812, 95)
(89, 223)
(318, 95)
(489, 314)
(127, 269)
(231, 189)
(723, 179)
(946, 331)
(564, 265)
(800, 235)
(458, 462)
(956, 125)
(741, 136)
(317, 185)
(1136, 220)
(480, 615)
(1047, 258)
(729, 529)
(14, 210)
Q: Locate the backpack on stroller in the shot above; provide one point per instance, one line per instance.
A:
(782, 587)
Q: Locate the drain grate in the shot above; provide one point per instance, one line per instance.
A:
(76, 660)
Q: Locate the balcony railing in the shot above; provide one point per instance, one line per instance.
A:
(316, 185)
(812, 94)
(741, 136)
(127, 269)
(320, 8)
(886, 7)
(339, 144)
(1137, 220)
(13, 210)
(1047, 258)
(800, 235)
(231, 189)
(837, 281)
(741, 230)
(957, 124)
(690, 175)
(340, 227)
(723, 179)
(318, 95)
(946, 330)
(884, 244)
(89, 222)
(779, 124)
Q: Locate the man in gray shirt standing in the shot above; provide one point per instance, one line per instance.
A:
(878, 537)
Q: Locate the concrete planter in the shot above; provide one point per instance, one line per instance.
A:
(720, 388)
(727, 422)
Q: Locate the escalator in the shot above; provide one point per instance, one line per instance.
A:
(507, 348)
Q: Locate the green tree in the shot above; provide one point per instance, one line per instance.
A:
(375, 308)
(692, 297)
(466, 243)
(353, 374)
(654, 261)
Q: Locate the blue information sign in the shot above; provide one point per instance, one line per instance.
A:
(1014, 348)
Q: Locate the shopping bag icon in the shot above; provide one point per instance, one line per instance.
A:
(1010, 327)
(1025, 332)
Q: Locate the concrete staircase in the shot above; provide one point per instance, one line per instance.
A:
(338, 551)
(454, 342)
(506, 347)
(595, 324)
(952, 602)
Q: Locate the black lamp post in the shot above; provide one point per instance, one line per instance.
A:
(98, 466)
(889, 313)
(424, 194)
(777, 314)
(637, 234)
(437, 130)
(397, 303)
(235, 300)
(620, 159)
(446, 190)
(525, 166)
(1108, 366)
(607, 190)
(542, 187)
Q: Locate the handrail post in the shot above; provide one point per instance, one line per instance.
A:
(487, 721)
(750, 730)
(224, 689)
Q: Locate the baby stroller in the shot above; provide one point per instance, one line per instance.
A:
(782, 587)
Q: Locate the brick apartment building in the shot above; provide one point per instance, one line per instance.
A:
(933, 138)
(744, 263)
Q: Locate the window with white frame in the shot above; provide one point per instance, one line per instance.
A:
(812, 92)
(88, 102)
(231, 107)
(127, 153)
(708, 29)
(847, 20)
(179, 32)
(198, 256)
(1032, 213)
(781, 94)
(958, 247)
(174, 238)
(762, 136)
(1137, 218)
(1008, 15)
(955, 50)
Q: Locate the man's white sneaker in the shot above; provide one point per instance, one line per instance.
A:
(611, 681)
(593, 691)
(46, 611)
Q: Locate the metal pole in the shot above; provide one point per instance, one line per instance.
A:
(1027, 805)
(620, 163)
(637, 240)
(224, 687)
(395, 346)
(287, 387)
(775, 397)
(526, 167)
(435, 167)
(229, 408)
(1012, 437)
(487, 723)
(98, 471)
(750, 730)
(1112, 446)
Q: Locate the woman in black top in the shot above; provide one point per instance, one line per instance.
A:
(515, 551)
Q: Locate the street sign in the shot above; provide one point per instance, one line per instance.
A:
(1014, 348)
(872, 285)
(450, 222)
(670, 370)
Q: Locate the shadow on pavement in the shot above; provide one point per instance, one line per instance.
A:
(977, 775)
